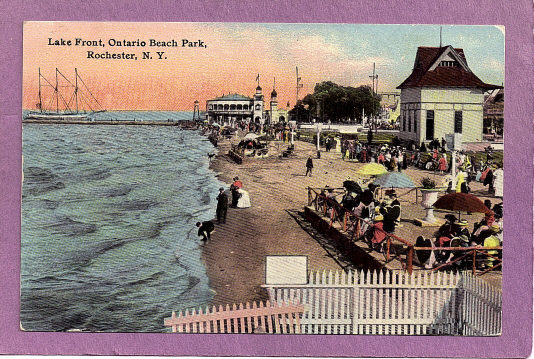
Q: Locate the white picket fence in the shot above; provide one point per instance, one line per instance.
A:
(272, 318)
(386, 303)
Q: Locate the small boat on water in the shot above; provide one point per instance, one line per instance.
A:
(73, 102)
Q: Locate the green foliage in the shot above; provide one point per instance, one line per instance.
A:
(331, 101)
(428, 183)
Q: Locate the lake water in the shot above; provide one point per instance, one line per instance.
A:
(109, 241)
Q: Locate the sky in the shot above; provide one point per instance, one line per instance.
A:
(234, 54)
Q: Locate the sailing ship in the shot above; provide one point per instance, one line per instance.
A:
(73, 102)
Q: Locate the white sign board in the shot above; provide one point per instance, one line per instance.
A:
(280, 270)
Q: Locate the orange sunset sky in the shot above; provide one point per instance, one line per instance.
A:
(235, 54)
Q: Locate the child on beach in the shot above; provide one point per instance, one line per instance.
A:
(205, 229)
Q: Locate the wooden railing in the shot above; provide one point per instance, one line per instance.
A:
(274, 318)
(482, 254)
(332, 209)
(348, 219)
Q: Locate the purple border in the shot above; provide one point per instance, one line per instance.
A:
(516, 340)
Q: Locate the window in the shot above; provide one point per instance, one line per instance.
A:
(403, 119)
(232, 107)
(415, 122)
(449, 64)
(430, 125)
(258, 107)
(226, 107)
(410, 122)
(458, 121)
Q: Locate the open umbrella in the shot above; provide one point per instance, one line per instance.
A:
(394, 180)
(461, 202)
(251, 136)
(372, 169)
(352, 186)
(367, 197)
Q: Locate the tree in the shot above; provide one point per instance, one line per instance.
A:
(300, 113)
(331, 101)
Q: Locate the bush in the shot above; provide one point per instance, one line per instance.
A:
(428, 183)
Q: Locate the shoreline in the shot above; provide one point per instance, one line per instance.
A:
(234, 258)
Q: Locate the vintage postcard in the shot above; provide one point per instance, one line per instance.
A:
(283, 185)
(262, 178)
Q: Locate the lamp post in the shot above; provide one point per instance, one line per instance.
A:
(293, 126)
(319, 127)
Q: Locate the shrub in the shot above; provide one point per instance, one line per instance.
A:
(428, 183)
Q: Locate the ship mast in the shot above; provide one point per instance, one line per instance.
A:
(57, 94)
(40, 97)
(76, 89)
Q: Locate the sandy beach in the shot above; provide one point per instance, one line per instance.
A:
(278, 188)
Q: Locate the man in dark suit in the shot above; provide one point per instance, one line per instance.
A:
(222, 206)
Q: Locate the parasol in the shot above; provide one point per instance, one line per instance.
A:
(394, 180)
(352, 186)
(251, 136)
(372, 169)
(461, 202)
(422, 254)
(367, 197)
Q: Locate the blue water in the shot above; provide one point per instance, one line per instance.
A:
(108, 225)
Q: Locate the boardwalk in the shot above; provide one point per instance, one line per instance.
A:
(278, 189)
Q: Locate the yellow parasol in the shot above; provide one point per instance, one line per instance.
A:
(372, 169)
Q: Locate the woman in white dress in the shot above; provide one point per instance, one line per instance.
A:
(244, 199)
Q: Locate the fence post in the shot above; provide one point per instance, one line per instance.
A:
(474, 261)
(309, 196)
(410, 259)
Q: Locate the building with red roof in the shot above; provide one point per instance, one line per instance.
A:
(442, 96)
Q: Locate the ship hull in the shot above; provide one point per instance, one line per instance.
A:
(55, 117)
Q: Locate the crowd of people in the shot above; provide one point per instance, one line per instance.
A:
(488, 232)
(433, 157)
(376, 220)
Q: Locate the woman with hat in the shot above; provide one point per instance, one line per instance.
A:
(492, 241)
(391, 211)
(377, 233)
(463, 229)
(447, 231)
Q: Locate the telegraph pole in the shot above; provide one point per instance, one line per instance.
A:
(374, 77)
(299, 86)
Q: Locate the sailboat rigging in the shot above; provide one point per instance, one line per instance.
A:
(62, 107)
